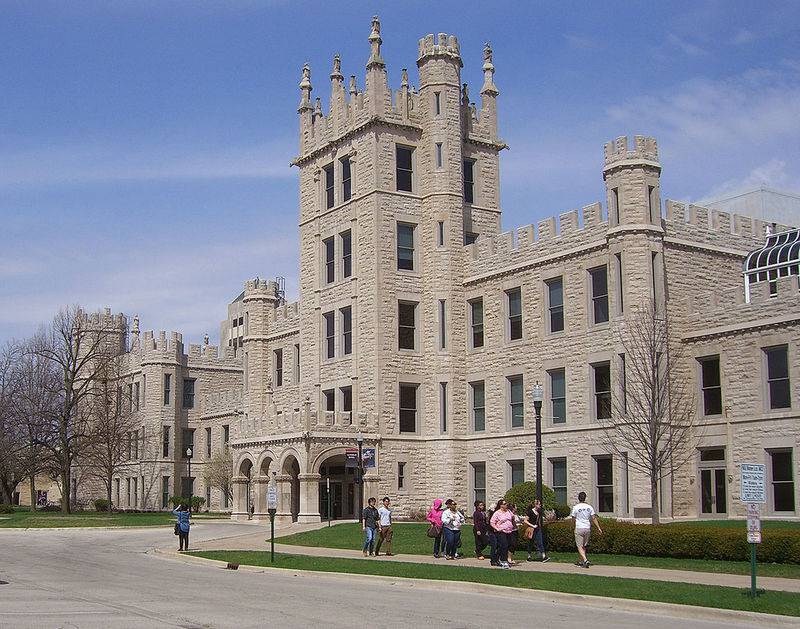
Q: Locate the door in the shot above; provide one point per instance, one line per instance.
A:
(713, 491)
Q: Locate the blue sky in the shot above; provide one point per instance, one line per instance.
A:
(144, 146)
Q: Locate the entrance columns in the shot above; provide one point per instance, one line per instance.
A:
(283, 516)
(260, 484)
(240, 499)
(309, 498)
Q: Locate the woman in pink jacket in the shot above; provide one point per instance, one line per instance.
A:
(503, 522)
(435, 518)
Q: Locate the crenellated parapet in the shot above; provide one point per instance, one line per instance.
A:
(305, 420)
(103, 320)
(618, 153)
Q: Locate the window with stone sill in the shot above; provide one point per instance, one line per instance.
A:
(599, 284)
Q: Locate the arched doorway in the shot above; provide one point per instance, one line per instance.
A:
(245, 471)
(291, 470)
(341, 501)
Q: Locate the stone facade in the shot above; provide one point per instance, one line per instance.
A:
(412, 302)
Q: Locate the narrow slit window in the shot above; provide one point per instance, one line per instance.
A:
(329, 188)
(347, 181)
(469, 181)
(347, 253)
(439, 159)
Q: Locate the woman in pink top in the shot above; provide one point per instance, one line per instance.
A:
(503, 522)
(435, 518)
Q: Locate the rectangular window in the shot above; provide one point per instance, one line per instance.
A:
(405, 247)
(346, 394)
(188, 392)
(476, 321)
(297, 363)
(560, 480)
(329, 397)
(470, 238)
(346, 315)
(330, 335)
(330, 260)
(347, 253)
(136, 393)
(406, 325)
(208, 443)
(778, 377)
(514, 298)
(404, 174)
(329, 189)
(188, 442)
(278, 361)
(442, 324)
(479, 481)
(136, 445)
(347, 182)
(651, 204)
(599, 277)
(128, 491)
(439, 158)
(443, 407)
(615, 206)
(623, 372)
(516, 405)
(605, 484)
(165, 442)
(620, 290)
(437, 103)
(408, 407)
(782, 480)
(116, 492)
(469, 181)
(440, 233)
(558, 395)
(555, 303)
(711, 385)
(516, 471)
(136, 492)
(226, 435)
(401, 475)
(602, 390)
(167, 387)
(478, 394)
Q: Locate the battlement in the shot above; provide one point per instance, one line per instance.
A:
(104, 319)
(302, 420)
(441, 45)
(287, 312)
(265, 287)
(618, 153)
(171, 348)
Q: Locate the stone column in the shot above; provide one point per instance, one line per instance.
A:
(260, 484)
(239, 498)
(283, 516)
(371, 480)
(309, 498)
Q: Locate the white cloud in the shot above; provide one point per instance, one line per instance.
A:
(771, 174)
(687, 47)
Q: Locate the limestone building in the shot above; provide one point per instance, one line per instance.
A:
(421, 328)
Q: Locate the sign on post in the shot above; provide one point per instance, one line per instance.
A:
(753, 483)
(753, 523)
(272, 497)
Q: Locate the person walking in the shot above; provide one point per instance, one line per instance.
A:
(480, 528)
(534, 518)
(452, 521)
(502, 522)
(583, 514)
(371, 519)
(435, 530)
(384, 527)
(183, 513)
(491, 535)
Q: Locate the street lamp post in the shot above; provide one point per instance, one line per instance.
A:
(191, 485)
(360, 478)
(538, 393)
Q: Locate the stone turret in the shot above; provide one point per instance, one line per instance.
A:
(632, 177)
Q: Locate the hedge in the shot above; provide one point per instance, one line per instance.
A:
(686, 542)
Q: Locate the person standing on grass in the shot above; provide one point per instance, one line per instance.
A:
(535, 519)
(480, 528)
(435, 518)
(183, 514)
(384, 528)
(452, 521)
(371, 519)
(502, 522)
(584, 515)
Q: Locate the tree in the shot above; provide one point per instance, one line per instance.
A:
(11, 467)
(652, 417)
(218, 472)
(79, 349)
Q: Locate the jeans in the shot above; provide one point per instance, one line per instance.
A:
(502, 546)
(451, 540)
(183, 540)
(537, 540)
(491, 536)
(369, 538)
(437, 544)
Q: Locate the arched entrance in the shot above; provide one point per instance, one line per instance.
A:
(245, 472)
(341, 501)
(291, 477)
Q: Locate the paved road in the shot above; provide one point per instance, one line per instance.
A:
(106, 578)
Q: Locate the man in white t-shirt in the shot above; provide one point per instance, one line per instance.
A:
(385, 528)
(584, 515)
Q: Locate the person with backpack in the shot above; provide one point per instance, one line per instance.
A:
(183, 514)
(371, 519)
(452, 521)
(435, 529)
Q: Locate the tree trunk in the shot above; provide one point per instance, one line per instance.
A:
(33, 491)
(108, 494)
(66, 507)
(8, 494)
(655, 515)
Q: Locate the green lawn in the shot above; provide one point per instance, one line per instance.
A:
(23, 518)
(410, 539)
(787, 603)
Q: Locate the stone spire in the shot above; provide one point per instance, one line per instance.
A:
(135, 330)
(305, 89)
(488, 72)
(375, 42)
(465, 95)
(336, 74)
(318, 107)
(404, 78)
(353, 89)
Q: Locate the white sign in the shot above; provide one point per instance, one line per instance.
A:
(753, 524)
(272, 497)
(753, 482)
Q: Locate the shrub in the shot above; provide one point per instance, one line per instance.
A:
(6, 509)
(101, 504)
(523, 495)
(685, 542)
(175, 501)
(562, 511)
(49, 508)
(197, 502)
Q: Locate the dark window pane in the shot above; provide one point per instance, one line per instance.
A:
(470, 238)
(599, 279)
(605, 474)
(716, 454)
(712, 401)
(404, 169)
(559, 473)
(476, 310)
(706, 496)
(784, 496)
(347, 399)
(347, 254)
(469, 181)
(781, 466)
(330, 275)
(329, 191)
(711, 372)
(514, 314)
(406, 326)
(721, 491)
(405, 247)
(408, 408)
(346, 179)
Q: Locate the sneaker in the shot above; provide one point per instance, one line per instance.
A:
(505, 565)
(529, 558)
(372, 554)
(457, 556)
(545, 559)
(365, 553)
(494, 563)
(436, 556)
(587, 564)
(481, 557)
(579, 564)
(449, 558)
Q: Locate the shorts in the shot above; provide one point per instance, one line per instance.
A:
(582, 537)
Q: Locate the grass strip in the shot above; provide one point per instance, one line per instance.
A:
(786, 603)
(52, 519)
(410, 539)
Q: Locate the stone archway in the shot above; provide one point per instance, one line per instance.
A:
(241, 489)
(338, 491)
(289, 488)
(266, 471)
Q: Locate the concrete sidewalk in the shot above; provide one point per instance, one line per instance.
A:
(259, 540)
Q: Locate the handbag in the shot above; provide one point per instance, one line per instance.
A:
(177, 529)
(434, 531)
(529, 532)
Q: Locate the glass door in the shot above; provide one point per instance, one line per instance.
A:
(713, 491)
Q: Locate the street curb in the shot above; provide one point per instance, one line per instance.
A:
(674, 610)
